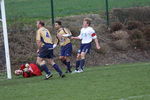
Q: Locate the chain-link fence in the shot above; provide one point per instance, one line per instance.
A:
(29, 10)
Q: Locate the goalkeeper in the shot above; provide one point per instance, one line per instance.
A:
(28, 70)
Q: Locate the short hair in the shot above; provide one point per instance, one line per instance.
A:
(88, 20)
(58, 22)
(41, 23)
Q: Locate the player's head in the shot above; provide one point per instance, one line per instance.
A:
(27, 65)
(86, 22)
(40, 24)
(18, 72)
(58, 24)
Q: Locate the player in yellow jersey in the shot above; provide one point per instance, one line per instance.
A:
(45, 50)
(63, 35)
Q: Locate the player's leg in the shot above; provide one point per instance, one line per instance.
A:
(42, 64)
(78, 61)
(68, 64)
(66, 52)
(43, 52)
(82, 61)
(85, 50)
(78, 58)
(56, 67)
(63, 60)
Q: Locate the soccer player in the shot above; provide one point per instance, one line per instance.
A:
(28, 70)
(45, 50)
(63, 35)
(87, 34)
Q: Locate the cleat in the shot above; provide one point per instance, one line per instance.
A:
(48, 76)
(68, 71)
(80, 71)
(62, 75)
(76, 71)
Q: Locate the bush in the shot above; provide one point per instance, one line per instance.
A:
(136, 34)
(147, 33)
(118, 35)
(134, 25)
(116, 26)
(105, 48)
(139, 43)
(121, 44)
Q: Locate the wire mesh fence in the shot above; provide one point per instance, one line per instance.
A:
(41, 9)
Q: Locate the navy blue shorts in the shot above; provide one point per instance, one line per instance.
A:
(66, 50)
(85, 48)
(46, 52)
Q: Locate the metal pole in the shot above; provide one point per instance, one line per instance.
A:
(5, 34)
(52, 12)
(107, 12)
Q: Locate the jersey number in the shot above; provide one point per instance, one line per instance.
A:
(47, 35)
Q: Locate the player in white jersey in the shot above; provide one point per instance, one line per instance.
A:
(87, 34)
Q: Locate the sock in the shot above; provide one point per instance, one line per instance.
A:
(77, 64)
(68, 66)
(64, 62)
(45, 68)
(82, 63)
(56, 67)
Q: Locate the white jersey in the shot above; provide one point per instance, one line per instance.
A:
(87, 35)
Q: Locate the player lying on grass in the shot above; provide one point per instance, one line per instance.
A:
(87, 34)
(28, 70)
(45, 50)
(63, 35)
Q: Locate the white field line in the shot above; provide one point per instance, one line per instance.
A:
(117, 66)
(134, 97)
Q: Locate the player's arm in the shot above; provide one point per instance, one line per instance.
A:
(68, 33)
(77, 38)
(39, 44)
(38, 40)
(94, 36)
(97, 43)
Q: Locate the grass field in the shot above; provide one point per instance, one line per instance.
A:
(40, 9)
(114, 82)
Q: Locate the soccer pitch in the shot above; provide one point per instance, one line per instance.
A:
(114, 82)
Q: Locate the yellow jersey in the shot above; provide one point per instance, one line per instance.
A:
(44, 36)
(63, 40)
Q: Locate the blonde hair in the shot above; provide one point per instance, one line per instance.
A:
(88, 20)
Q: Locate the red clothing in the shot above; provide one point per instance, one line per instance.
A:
(33, 70)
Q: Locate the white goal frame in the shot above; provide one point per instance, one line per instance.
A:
(5, 35)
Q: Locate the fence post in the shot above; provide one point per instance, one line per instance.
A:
(107, 12)
(52, 12)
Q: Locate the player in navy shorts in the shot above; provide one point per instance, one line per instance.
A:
(87, 35)
(45, 50)
(63, 35)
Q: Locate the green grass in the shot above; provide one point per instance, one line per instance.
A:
(29, 10)
(114, 82)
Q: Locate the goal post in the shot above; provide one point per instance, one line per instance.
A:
(5, 35)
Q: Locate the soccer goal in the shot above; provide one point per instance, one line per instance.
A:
(5, 66)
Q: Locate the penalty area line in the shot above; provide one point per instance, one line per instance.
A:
(134, 97)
